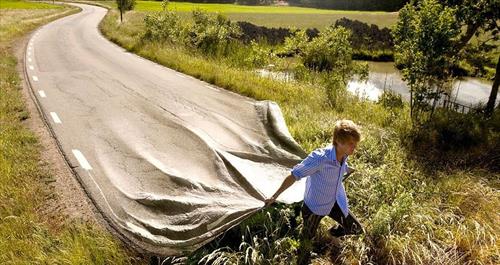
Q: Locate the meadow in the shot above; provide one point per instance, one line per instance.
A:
(273, 16)
(16, 4)
(29, 234)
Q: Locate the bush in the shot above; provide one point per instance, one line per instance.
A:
(331, 50)
(258, 55)
(164, 26)
(296, 43)
(389, 99)
(211, 33)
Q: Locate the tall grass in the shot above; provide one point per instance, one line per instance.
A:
(26, 235)
(411, 215)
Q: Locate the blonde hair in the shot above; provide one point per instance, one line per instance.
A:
(345, 130)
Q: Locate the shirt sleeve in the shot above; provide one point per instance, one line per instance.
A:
(308, 166)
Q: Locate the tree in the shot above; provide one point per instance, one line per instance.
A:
(424, 48)
(124, 5)
(475, 15)
(479, 16)
(490, 106)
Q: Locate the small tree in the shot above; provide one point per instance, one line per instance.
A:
(329, 55)
(424, 49)
(124, 5)
(331, 50)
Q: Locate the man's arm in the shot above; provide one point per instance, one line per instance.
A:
(285, 185)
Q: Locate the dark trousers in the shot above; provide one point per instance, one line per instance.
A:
(347, 226)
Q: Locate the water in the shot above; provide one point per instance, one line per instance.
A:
(467, 91)
(384, 75)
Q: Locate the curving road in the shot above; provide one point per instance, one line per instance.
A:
(170, 161)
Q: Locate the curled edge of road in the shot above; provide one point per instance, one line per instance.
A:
(270, 110)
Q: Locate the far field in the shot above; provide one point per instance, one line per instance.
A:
(13, 4)
(276, 16)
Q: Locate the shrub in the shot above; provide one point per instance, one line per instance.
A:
(330, 50)
(296, 43)
(258, 56)
(389, 99)
(211, 33)
(164, 26)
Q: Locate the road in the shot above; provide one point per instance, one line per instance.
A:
(170, 161)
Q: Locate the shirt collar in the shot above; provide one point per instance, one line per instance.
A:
(333, 154)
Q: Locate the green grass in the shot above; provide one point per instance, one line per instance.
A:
(277, 16)
(233, 8)
(273, 16)
(26, 235)
(18, 4)
(412, 214)
(309, 20)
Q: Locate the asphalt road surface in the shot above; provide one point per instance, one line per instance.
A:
(170, 161)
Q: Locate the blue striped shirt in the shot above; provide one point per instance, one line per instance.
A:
(324, 183)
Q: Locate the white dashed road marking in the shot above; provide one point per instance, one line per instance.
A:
(35, 78)
(81, 159)
(31, 67)
(42, 93)
(55, 117)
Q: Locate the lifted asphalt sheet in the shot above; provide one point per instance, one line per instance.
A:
(170, 161)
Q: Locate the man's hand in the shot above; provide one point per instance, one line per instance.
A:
(270, 201)
(286, 183)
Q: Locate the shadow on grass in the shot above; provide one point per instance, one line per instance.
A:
(455, 141)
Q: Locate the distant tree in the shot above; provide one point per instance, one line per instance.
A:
(255, 2)
(385, 5)
(424, 48)
(124, 5)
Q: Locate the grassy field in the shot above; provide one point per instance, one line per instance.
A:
(16, 4)
(274, 16)
(412, 214)
(26, 235)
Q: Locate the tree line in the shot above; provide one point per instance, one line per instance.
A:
(381, 5)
